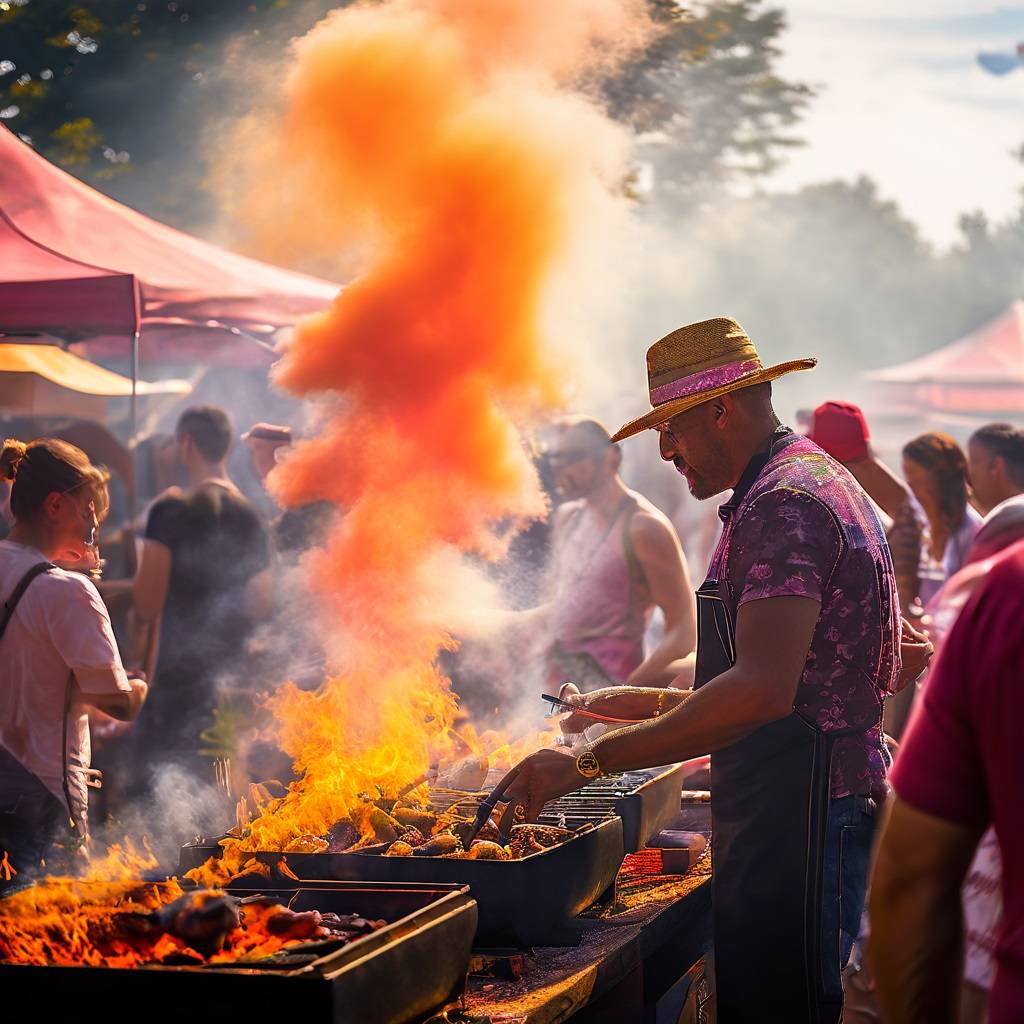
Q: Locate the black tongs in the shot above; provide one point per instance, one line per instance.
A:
(487, 805)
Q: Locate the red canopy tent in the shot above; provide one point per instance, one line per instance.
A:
(194, 298)
(981, 375)
(41, 290)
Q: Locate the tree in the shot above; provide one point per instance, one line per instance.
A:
(706, 101)
(119, 91)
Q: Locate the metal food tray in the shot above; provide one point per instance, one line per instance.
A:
(647, 801)
(396, 975)
(522, 903)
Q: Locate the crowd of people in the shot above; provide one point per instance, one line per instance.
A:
(802, 663)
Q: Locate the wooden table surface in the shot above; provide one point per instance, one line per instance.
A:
(664, 918)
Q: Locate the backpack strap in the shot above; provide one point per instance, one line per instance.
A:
(19, 592)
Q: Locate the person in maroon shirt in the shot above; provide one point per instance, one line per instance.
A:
(959, 770)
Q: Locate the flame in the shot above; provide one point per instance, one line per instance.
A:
(7, 869)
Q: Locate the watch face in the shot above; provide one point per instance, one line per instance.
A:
(586, 764)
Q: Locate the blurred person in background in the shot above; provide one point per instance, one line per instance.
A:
(57, 649)
(957, 773)
(841, 430)
(615, 558)
(935, 469)
(995, 466)
(203, 575)
(293, 530)
(265, 441)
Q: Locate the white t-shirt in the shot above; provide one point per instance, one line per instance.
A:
(60, 627)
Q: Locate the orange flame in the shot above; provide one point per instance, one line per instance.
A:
(7, 869)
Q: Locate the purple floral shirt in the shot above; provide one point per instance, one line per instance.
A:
(806, 529)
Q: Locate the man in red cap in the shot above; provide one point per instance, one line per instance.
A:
(841, 430)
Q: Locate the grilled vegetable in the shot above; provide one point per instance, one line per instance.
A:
(439, 845)
(307, 844)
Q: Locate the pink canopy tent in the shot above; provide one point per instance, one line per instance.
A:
(982, 374)
(195, 300)
(41, 290)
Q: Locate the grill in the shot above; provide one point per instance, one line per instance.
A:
(522, 903)
(646, 801)
(410, 968)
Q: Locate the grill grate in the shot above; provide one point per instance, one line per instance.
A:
(645, 800)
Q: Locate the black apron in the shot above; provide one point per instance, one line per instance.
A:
(769, 808)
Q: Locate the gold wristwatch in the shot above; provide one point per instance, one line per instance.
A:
(587, 764)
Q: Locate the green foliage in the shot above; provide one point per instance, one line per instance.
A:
(103, 87)
(75, 141)
(836, 271)
(707, 99)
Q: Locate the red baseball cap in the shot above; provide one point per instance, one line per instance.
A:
(841, 430)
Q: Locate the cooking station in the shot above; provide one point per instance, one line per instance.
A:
(595, 928)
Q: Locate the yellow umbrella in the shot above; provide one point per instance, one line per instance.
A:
(43, 380)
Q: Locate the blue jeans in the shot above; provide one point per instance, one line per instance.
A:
(850, 831)
(31, 820)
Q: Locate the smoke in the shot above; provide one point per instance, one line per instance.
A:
(440, 147)
(177, 807)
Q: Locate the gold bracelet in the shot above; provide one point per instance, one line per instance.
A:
(660, 705)
(587, 764)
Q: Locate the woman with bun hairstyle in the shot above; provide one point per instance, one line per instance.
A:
(58, 656)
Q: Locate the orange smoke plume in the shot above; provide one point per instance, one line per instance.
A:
(438, 139)
(441, 141)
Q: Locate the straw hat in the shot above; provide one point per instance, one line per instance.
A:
(699, 362)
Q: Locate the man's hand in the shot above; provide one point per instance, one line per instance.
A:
(538, 778)
(916, 652)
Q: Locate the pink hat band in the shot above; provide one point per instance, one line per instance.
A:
(705, 380)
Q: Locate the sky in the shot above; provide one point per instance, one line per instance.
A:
(904, 101)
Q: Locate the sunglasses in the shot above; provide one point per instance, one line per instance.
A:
(666, 431)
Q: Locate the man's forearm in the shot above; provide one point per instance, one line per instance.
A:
(916, 930)
(717, 715)
(675, 645)
(915, 950)
(124, 707)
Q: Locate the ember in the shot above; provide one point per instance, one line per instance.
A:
(130, 924)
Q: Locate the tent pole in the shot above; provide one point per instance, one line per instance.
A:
(133, 412)
(133, 439)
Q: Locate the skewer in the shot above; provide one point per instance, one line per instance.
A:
(557, 702)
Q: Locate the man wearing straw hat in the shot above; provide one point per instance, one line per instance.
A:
(798, 645)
